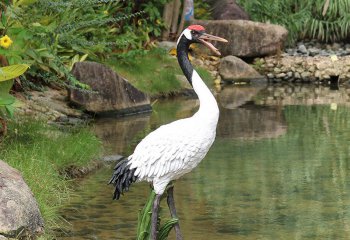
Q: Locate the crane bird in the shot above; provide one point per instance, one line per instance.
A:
(176, 148)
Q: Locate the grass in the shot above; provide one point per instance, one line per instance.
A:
(38, 151)
(155, 73)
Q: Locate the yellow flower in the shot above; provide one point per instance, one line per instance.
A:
(105, 12)
(5, 41)
(158, 21)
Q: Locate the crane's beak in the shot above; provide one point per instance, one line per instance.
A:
(207, 37)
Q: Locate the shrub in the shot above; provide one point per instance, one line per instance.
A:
(52, 35)
(324, 20)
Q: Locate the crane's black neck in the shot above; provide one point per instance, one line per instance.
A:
(182, 57)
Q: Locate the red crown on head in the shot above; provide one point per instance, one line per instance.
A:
(196, 27)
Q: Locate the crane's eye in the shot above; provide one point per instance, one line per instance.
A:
(195, 34)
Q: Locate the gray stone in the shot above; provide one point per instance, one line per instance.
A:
(112, 158)
(111, 94)
(167, 45)
(270, 75)
(19, 212)
(302, 49)
(313, 51)
(246, 38)
(281, 75)
(305, 75)
(234, 69)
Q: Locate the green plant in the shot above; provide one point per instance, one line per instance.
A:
(144, 222)
(39, 151)
(324, 20)
(7, 101)
(52, 35)
(202, 10)
(154, 72)
(330, 20)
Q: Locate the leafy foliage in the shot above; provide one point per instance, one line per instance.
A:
(144, 223)
(7, 101)
(52, 35)
(325, 20)
(202, 10)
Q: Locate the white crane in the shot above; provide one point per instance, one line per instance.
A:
(175, 148)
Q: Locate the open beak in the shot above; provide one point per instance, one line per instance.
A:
(207, 37)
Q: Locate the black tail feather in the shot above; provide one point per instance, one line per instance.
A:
(122, 178)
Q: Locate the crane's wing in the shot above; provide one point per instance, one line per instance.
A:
(172, 148)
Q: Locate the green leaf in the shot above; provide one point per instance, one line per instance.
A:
(166, 228)
(10, 110)
(5, 87)
(13, 71)
(6, 100)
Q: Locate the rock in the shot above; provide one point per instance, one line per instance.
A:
(302, 49)
(313, 52)
(228, 9)
(234, 69)
(246, 38)
(270, 75)
(112, 158)
(167, 45)
(19, 213)
(281, 75)
(111, 94)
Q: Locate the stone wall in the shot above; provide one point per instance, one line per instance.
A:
(305, 69)
(302, 94)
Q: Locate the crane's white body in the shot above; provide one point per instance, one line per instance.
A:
(176, 148)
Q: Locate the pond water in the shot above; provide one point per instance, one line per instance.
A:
(277, 170)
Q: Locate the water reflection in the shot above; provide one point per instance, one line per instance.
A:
(117, 134)
(307, 94)
(290, 182)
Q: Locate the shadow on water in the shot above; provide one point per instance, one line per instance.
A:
(277, 170)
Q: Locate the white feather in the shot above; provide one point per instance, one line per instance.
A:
(176, 148)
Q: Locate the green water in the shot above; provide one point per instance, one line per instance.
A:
(274, 172)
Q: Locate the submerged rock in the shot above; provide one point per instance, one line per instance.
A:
(234, 69)
(246, 38)
(19, 213)
(111, 94)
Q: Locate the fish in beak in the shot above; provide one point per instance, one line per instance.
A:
(208, 37)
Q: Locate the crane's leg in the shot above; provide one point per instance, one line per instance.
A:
(154, 220)
(171, 204)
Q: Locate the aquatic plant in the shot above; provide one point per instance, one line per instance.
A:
(144, 222)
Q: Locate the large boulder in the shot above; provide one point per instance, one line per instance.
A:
(111, 94)
(228, 9)
(19, 213)
(233, 69)
(246, 38)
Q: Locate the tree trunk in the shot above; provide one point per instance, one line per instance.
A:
(175, 20)
(167, 17)
(182, 21)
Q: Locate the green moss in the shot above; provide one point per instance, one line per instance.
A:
(39, 151)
